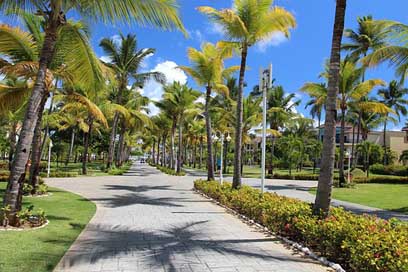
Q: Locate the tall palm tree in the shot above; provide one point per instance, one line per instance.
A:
(324, 188)
(281, 107)
(208, 70)
(318, 94)
(369, 36)
(245, 24)
(161, 13)
(393, 97)
(126, 59)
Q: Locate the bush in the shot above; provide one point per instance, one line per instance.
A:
(295, 176)
(396, 170)
(357, 172)
(382, 179)
(60, 174)
(358, 243)
(4, 165)
(169, 171)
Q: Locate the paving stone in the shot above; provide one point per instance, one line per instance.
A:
(148, 221)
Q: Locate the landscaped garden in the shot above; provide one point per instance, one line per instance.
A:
(40, 250)
(80, 97)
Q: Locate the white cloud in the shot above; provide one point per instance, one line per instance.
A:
(106, 59)
(154, 90)
(215, 29)
(196, 35)
(274, 39)
(117, 39)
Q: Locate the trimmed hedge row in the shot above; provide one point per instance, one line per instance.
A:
(358, 243)
(396, 170)
(294, 176)
(382, 179)
(169, 171)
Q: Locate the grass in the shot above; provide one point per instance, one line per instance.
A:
(384, 196)
(40, 250)
(94, 168)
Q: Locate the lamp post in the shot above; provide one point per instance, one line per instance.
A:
(348, 154)
(222, 152)
(265, 84)
(49, 159)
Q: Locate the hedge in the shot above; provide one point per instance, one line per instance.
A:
(169, 171)
(357, 242)
(59, 174)
(396, 170)
(294, 176)
(382, 179)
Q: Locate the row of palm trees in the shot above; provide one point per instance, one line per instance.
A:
(61, 51)
(56, 58)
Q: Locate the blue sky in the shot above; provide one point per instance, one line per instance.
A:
(295, 61)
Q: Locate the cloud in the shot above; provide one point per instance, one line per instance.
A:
(117, 39)
(106, 59)
(196, 35)
(154, 90)
(274, 39)
(215, 29)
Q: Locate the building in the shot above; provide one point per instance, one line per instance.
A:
(397, 141)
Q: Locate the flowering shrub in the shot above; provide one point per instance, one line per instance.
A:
(358, 242)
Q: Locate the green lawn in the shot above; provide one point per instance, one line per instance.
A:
(384, 196)
(40, 250)
(94, 168)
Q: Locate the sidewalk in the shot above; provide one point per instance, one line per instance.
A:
(148, 221)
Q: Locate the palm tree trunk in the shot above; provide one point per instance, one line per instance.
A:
(342, 180)
(224, 155)
(13, 194)
(200, 162)
(158, 151)
(180, 146)
(236, 181)
(153, 151)
(119, 152)
(384, 140)
(210, 164)
(358, 136)
(111, 149)
(195, 154)
(71, 147)
(12, 139)
(353, 141)
(323, 195)
(87, 137)
(163, 162)
(36, 151)
(172, 136)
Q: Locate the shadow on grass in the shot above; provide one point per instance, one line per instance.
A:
(171, 249)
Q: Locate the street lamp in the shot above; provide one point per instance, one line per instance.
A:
(265, 84)
(348, 154)
(49, 158)
(228, 139)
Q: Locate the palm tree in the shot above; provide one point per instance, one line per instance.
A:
(22, 49)
(281, 107)
(159, 13)
(245, 24)
(323, 195)
(182, 99)
(393, 97)
(208, 70)
(318, 93)
(125, 61)
(396, 53)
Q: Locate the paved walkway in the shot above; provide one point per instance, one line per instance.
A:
(300, 189)
(148, 221)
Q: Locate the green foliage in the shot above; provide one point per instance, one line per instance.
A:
(382, 179)
(27, 217)
(60, 174)
(169, 171)
(295, 176)
(357, 172)
(396, 170)
(358, 243)
(120, 171)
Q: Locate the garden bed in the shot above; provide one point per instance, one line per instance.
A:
(358, 243)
